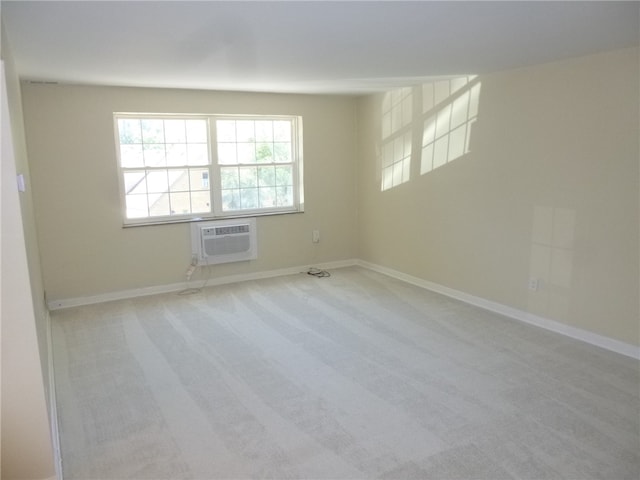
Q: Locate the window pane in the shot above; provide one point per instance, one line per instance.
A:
(267, 197)
(159, 205)
(152, 131)
(176, 154)
(246, 152)
(248, 198)
(226, 130)
(137, 206)
(178, 181)
(282, 131)
(229, 177)
(199, 178)
(283, 175)
(154, 156)
(281, 152)
(230, 199)
(129, 130)
(200, 202)
(227, 154)
(196, 131)
(180, 203)
(245, 131)
(157, 181)
(264, 152)
(174, 131)
(134, 182)
(264, 131)
(266, 176)
(248, 177)
(198, 154)
(131, 156)
(284, 196)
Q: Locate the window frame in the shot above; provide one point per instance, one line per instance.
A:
(214, 169)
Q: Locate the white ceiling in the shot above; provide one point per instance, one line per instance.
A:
(308, 47)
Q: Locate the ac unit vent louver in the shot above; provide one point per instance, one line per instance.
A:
(232, 229)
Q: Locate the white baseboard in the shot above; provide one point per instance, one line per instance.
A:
(53, 409)
(514, 313)
(177, 287)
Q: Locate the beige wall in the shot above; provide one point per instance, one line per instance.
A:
(26, 202)
(25, 435)
(85, 250)
(548, 189)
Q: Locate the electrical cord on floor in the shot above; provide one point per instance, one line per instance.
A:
(194, 290)
(316, 272)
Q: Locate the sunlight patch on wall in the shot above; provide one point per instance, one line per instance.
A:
(447, 131)
(551, 264)
(397, 115)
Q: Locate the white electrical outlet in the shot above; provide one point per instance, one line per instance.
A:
(315, 236)
(533, 284)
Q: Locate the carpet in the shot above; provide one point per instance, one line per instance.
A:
(352, 376)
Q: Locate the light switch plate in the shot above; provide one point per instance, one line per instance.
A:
(22, 186)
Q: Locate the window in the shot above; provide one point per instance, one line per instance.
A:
(182, 167)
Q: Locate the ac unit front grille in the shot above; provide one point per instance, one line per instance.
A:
(226, 245)
(224, 241)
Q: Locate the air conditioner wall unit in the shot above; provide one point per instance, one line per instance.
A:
(224, 241)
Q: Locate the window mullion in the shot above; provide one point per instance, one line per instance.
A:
(215, 182)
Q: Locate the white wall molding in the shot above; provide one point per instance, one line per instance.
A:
(514, 313)
(177, 287)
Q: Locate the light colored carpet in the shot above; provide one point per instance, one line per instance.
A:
(353, 376)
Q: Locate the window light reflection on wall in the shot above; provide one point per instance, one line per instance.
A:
(397, 116)
(447, 132)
